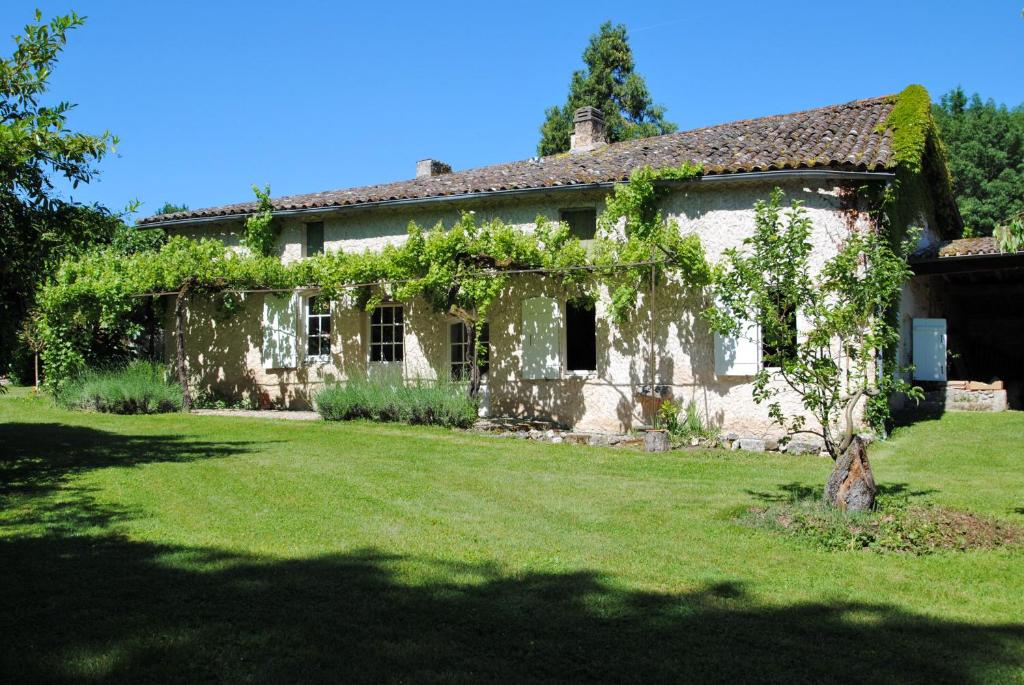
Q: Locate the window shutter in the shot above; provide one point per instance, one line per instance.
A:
(280, 331)
(542, 323)
(740, 355)
(929, 349)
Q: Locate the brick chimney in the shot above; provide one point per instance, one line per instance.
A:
(589, 131)
(431, 167)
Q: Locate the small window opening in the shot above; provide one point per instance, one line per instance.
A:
(314, 238)
(387, 334)
(582, 222)
(461, 345)
(318, 327)
(581, 337)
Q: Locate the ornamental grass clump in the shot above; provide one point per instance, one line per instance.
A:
(387, 398)
(139, 388)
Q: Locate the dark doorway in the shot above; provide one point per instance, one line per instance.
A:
(581, 337)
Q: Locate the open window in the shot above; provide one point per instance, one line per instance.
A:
(314, 238)
(387, 334)
(582, 222)
(318, 328)
(461, 346)
(580, 337)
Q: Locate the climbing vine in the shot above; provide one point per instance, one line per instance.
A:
(459, 270)
(632, 231)
(260, 228)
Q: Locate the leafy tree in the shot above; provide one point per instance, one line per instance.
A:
(831, 364)
(609, 83)
(170, 208)
(985, 146)
(37, 228)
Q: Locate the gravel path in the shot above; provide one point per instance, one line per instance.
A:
(261, 414)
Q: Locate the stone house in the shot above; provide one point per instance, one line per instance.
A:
(574, 367)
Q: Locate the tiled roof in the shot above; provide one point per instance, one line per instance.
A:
(842, 137)
(968, 247)
(961, 247)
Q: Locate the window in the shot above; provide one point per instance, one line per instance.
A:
(387, 334)
(778, 341)
(314, 238)
(461, 340)
(582, 222)
(318, 327)
(580, 337)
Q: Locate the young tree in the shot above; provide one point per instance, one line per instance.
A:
(985, 146)
(829, 360)
(37, 229)
(609, 83)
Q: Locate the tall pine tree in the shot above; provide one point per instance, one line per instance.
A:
(609, 83)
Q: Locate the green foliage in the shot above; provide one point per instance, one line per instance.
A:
(832, 362)
(633, 231)
(985, 146)
(387, 398)
(458, 270)
(1010, 238)
(609, 83)
(683, 423)
(38, 229)
(895, 526)
(170, 208)
(912, 124)
(260, 228)
(139, 388)
(34, 139)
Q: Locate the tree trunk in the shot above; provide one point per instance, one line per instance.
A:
(851, 487)
(179, 334)
(473, 390)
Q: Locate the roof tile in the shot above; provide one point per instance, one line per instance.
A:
(842, 136)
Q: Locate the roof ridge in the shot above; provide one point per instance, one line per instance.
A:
(839, 139)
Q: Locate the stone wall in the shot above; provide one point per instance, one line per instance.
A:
(225, 356)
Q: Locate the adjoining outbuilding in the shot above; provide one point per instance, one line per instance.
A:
(968, 346)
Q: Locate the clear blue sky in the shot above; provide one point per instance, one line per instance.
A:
(211, 97)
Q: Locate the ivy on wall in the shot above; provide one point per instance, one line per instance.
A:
(459, 270)
(261, 230)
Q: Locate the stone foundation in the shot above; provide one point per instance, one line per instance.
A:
(975, 396)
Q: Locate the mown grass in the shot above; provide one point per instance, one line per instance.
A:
(189, 548)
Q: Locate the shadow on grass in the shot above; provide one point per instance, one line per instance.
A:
(106, 609)
(38, 457)
(799, 492)
(101, 608)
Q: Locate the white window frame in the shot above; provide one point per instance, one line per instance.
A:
(306, 335)
(371, 326)
(451, 323)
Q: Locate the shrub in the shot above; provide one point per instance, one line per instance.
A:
(139, 388)
(684, 424)
(388, 398)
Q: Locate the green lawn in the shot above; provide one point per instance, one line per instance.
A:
(222, 549)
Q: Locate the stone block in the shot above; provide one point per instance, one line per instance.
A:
(751, 444)
(656, 441)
